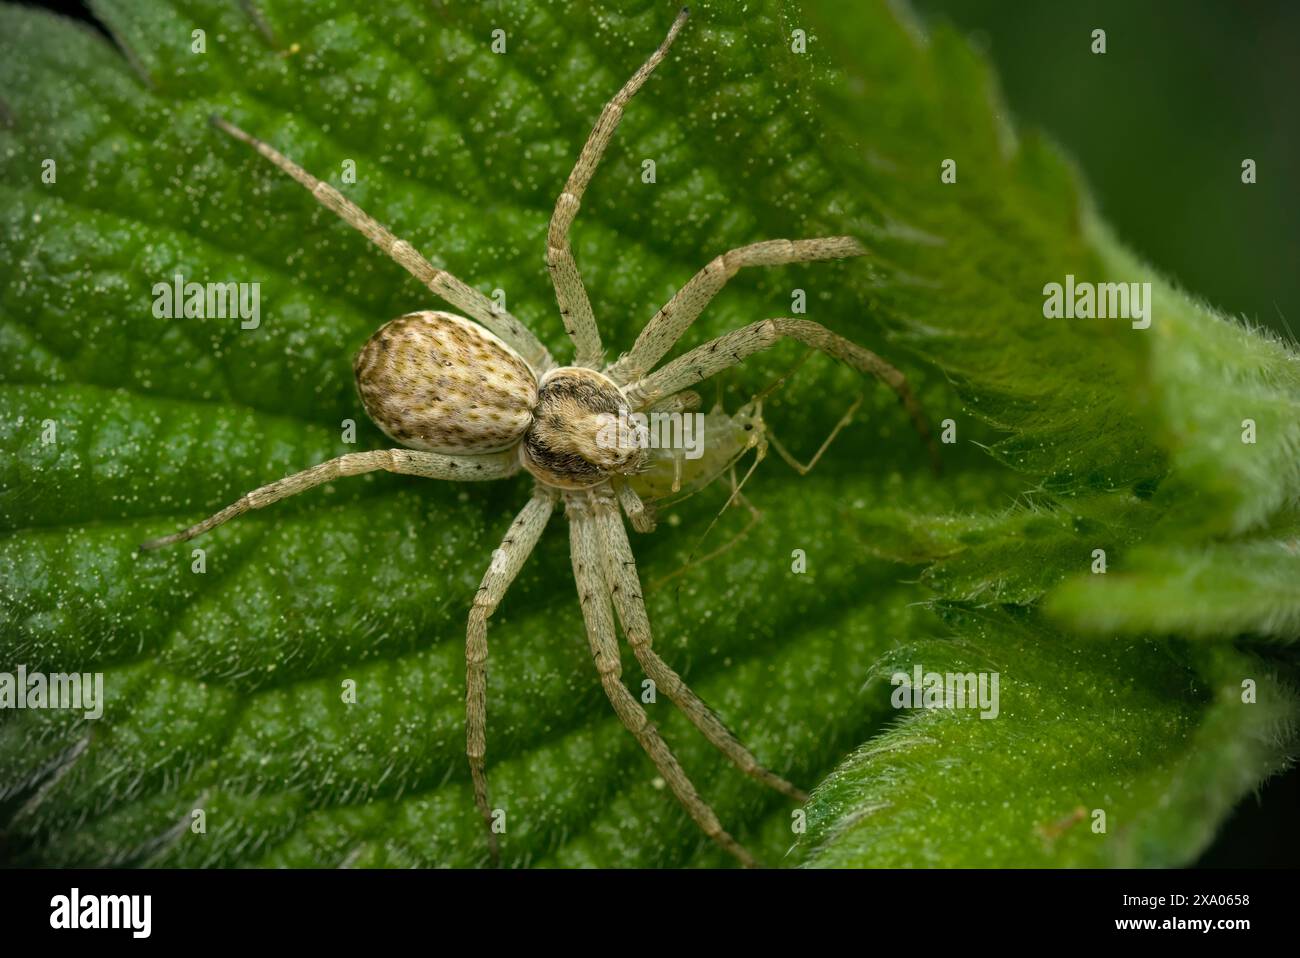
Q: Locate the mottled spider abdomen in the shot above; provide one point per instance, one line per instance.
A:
(435, 381)
(581, 432)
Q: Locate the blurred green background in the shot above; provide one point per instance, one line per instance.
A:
(1160, 123)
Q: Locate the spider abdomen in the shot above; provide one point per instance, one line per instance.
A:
(435, 381)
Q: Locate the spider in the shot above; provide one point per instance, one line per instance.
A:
(481, 398)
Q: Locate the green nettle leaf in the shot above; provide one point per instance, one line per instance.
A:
(300, 681)
(1119, 754)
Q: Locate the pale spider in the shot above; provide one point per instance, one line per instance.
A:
(481, 400)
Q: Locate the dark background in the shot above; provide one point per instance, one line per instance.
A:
(1160, 123)
(1159, 126)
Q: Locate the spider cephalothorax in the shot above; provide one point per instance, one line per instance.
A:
(581, 432)
(482, 398)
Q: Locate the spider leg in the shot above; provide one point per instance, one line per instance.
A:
(734, 347)
(679, 402)
(693, 561)
(625, 588)
(594, 592)
(641, 516)
(459, 294)
(506, 562)
(575, 307)
(411, 462)
(675, 317)
(804, 468)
